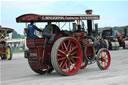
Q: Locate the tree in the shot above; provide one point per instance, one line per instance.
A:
(16, 35)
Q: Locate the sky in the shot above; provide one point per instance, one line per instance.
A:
(112, 12)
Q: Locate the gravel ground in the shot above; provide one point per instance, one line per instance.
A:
(17, 72)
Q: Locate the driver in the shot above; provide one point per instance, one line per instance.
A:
(32, 28)
(48, 31)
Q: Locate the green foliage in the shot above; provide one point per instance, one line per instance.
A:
(15, 35)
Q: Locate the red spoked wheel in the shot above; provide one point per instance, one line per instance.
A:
(103, 59)
(66, 56)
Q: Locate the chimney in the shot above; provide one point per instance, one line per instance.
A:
(89, 23)
(89, 11)
(125, 32)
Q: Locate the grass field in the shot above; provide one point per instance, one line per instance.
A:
(18, 51)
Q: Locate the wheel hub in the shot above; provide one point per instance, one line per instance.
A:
(103, 59)
(68, 56)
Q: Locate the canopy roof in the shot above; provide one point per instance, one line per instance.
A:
(9, 30)
(55, 18)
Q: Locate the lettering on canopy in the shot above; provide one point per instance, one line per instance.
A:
(70, 17)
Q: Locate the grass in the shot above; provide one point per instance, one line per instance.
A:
(18, 51)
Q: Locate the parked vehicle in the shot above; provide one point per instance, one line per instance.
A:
(5, 49)
(111, 40)
(124, 39)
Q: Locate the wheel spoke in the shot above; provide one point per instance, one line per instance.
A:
(64, 63)
(105, 54)
(68, 46)
(61, 58)
(106, 59)
(100, 56)
(59, 54)
(74, 53)
(62, 46)
(72, 65)
(102, 53)
(61, 51)
(77, 57)
(100, 61)
(66, 67)
(73, 60)
(74, 49)
(61, 63)
(105, 63)
(65, 46)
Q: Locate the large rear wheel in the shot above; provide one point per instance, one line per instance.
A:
(103, 59)
(66, 56)
(39, 71)
(48, 69)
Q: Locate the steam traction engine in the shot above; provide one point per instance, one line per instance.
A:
(111, 40)
(124, 39)
(5, 50)
(70, 51)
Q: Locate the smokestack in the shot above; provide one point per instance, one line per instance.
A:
(89, 11)
(74, 26)
(125, 32)
(89, 23)
(96, 28)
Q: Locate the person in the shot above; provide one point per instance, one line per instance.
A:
(31, 29)
(48, 32)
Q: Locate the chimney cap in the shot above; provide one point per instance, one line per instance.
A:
(89, 11)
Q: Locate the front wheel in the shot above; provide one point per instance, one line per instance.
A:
(103, 59)
(8, 53)
(66, 56)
